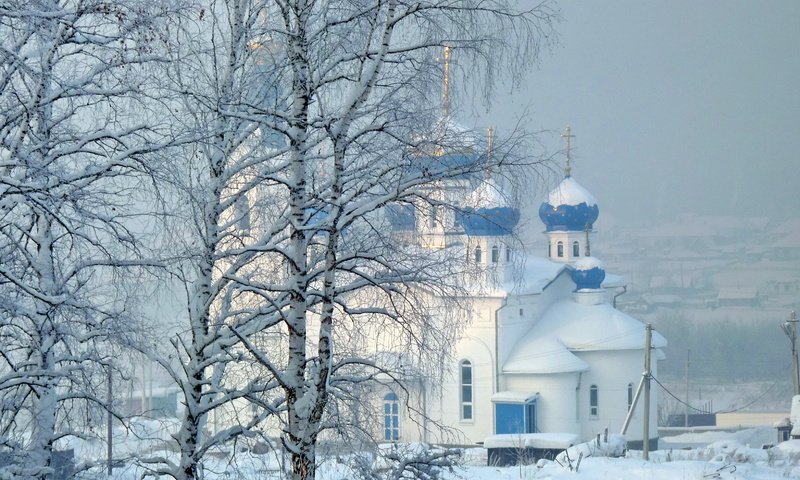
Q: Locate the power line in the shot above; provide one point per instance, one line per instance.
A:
(675, 397)
(774, 384)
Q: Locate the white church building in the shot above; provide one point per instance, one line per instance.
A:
(545, 350)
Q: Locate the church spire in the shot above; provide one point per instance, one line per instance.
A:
(568, 136)
(446, 81)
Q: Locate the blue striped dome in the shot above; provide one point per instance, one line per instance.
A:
(588, 274)
(569, 207)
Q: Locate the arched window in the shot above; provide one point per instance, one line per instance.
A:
(478, 254)
(391, 417)
(593, 400)
(432, 218)
(630, 396)
(495, 254)
(576, 249)
(508, 255)
(560, 249)
(465, 368)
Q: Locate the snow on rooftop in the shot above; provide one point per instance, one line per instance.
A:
(543, 356)
(487, 195)
(538, 272)
(588, 263)
(570, 192)
(613, 280)
(514, 397)
(568, 327)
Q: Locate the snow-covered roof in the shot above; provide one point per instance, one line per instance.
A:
(568, 327)
(543, 355)
(588, 263)
(452, 135)
(510, 396)
(487, 194)
(613, 280)
(538, 272)
(570, 192)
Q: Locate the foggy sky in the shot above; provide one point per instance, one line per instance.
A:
(677, 106)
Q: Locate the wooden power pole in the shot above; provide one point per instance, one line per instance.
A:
(790, 329)
(646, 420)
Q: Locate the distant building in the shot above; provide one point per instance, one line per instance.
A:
(738, 297)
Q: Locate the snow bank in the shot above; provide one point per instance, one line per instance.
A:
(613, 447)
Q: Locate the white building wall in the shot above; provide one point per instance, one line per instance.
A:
(555, 406)
(612, 371)
(443, 400)
(478, 346)
(521, 312)
(567, 239)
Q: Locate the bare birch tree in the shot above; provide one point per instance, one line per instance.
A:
(308, 122)
(70, 154)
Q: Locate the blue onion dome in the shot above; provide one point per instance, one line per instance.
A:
(487, 211)
(588, 274)
(569, 207)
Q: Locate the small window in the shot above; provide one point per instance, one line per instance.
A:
(560, 249)
(495, 254)
(576, 249)
(391, 417)
(465, 368)
(478, 254)
(593, 401)
(630, 396)
(549, 251)
(432, 218)
(508, 255)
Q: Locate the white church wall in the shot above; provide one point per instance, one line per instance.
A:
(555, 406)
(611, 372)
(568, 241)
(521, 312)
(476, 346)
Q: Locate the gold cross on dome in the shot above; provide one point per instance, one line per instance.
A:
(569, 136)
(446, 81)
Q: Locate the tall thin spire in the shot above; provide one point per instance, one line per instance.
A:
(569, 136)
(490, 138)
(446, 81)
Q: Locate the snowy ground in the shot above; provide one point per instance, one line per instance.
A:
(731, 456)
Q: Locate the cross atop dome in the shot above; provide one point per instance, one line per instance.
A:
(446, 80)
(568, 136)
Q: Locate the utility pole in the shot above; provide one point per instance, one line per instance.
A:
(646, 420)
(686, 414)
(789, 327)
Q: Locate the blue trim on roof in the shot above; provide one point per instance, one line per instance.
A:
(568, 217)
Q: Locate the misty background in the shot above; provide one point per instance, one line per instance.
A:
(687, 123)
(678, 106)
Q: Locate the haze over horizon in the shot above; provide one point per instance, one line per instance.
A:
(677, 106)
